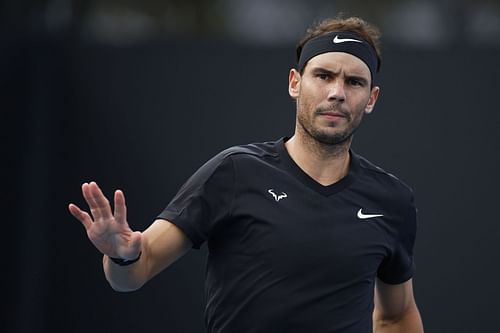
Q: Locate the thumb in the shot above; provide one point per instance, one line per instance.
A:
(135, 244)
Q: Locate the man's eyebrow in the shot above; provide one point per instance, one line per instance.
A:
(321, 70)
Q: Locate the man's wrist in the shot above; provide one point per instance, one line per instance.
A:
(125, 262)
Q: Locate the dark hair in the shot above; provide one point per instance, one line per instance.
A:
(356, 25)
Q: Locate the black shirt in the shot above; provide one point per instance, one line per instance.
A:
(287, 254)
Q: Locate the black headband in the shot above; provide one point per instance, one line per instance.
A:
(340, 42)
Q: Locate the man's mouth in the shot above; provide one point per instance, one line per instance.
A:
(333, 115)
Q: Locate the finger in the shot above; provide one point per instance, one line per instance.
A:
(80, 215)
(103, 207)
(120, 207)
(89, 198)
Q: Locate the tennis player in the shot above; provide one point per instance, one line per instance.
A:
(303, 234)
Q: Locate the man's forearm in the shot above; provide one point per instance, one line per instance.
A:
(124, 278)
(162, 244)
(410, 322)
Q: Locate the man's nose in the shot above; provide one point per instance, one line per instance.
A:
(336, 91)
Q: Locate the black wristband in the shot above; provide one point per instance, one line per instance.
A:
(124, 262)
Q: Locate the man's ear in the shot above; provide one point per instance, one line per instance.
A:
(294, 83)
(373, 99)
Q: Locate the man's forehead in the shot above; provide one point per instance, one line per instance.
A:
(339, 61)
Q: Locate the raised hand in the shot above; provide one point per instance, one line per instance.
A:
(110, 233)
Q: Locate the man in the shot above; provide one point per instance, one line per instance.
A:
(303, 234)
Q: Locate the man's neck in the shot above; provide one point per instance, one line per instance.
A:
(326, 164)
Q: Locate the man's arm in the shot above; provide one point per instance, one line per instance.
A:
(162, 244)
(158, 246)
(395, 309)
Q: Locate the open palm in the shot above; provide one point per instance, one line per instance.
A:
(110, 233)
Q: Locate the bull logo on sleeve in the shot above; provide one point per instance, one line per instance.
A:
(277, 197)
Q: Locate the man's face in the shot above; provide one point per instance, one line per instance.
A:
(332, 95)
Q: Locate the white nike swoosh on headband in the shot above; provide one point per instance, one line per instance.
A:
(337, 40)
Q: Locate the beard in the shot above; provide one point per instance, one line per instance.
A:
(326, 136)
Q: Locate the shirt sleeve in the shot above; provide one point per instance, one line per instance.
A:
(399, 266)
(203, 200)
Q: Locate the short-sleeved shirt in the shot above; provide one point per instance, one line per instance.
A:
(287, 254)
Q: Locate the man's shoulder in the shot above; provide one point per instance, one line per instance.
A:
(379, 175)
(249, 154)
(245, 152)
(258, 149)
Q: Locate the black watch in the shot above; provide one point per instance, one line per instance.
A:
(125, 262)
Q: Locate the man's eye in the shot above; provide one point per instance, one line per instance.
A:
(323, 76)
(355, 82)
